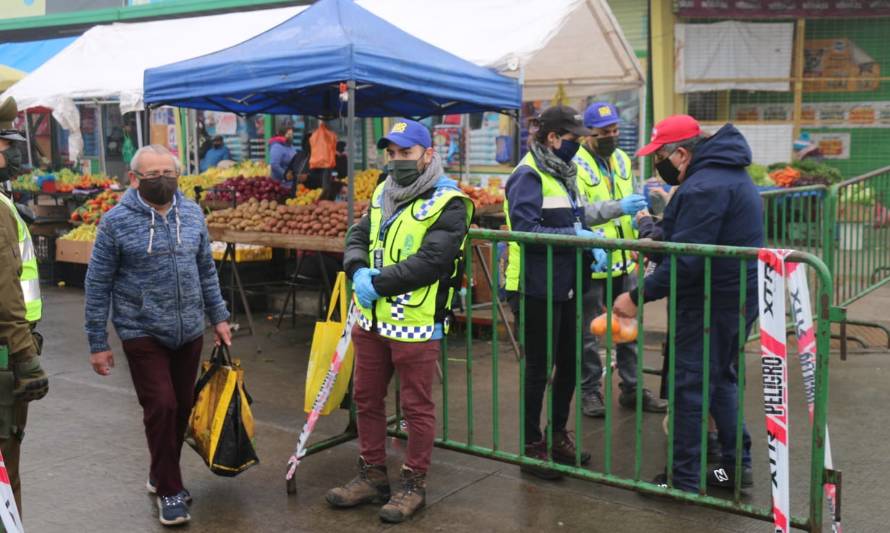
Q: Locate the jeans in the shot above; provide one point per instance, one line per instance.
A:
(536, 371)
(688, 375)
(165, 385)
(376, 358)
(626, 353)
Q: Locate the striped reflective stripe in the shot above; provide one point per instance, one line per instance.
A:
(26, 247)
(556, 202)
(31, 289)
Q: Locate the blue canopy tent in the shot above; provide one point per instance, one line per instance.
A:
(298, 67)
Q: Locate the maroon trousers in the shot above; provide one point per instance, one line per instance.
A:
(375, 359)
(165, 385)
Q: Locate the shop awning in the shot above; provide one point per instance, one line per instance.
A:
(297, 67)
(28, 55)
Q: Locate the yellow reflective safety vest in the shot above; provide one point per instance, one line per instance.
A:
(409, 317)
(596, 186)
(29, 280)
(555, 196)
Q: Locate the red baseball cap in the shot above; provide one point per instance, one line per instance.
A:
(670, 130)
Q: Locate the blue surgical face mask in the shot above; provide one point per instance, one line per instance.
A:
(566, 150)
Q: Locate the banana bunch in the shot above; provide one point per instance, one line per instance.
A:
(84, 232)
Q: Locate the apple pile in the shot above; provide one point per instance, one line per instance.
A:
(242, 189)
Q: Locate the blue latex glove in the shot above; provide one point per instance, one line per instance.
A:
(587, 234)
(632, 204)
(600, 260)
(363, 287)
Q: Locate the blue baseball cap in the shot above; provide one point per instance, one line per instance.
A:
(600, 115)
(406, 133)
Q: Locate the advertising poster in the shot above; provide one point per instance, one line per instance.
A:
(845, 67)
(832, 145)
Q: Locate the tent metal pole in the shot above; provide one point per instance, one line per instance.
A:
(351, 151)
(193, 116)
(644, 111)
(28, 139)
(101, 125)
(138, 129)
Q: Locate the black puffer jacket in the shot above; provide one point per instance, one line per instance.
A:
(433, 261)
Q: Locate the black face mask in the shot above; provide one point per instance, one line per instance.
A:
(404, 171)
(668, 172)
(605, 146)
(158, 191)
(566, 150)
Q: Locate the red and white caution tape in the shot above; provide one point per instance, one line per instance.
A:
(773, 359)
(802, 316)
(323, 393)
(772, 273)
(9, 512)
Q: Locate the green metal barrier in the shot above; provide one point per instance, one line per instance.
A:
(860, 259)
(464, 436)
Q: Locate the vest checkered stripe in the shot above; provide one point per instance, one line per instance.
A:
(425, 207)
(397, 308)
(394, 331)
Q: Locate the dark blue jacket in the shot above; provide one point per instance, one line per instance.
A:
(717, 203)
(525, 199)
(155, 272)
(214, 156)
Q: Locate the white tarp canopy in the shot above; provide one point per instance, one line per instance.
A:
(576, 44)
(108, 62)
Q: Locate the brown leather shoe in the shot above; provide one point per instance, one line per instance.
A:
(538, 450)
(371, 485)
(407, 499)
(563, 450)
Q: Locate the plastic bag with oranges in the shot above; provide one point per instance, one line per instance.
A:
(623, 329)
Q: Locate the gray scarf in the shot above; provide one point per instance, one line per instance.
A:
(564, 172)
(395, 196)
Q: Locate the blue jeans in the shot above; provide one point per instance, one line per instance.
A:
(723, 389)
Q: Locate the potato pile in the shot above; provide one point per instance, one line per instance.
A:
(325, 219)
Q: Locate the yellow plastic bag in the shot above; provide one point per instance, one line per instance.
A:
(324, 344)
(221, 427)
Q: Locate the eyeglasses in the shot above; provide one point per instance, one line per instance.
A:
(156, 175)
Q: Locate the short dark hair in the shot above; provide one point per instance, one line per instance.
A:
(341, 146)
(282, 130)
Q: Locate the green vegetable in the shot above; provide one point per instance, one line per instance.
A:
(760, 175)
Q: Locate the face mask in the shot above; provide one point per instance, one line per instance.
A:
(404, 171)
(566, 150)
(158, 191)
(668, 172)
(605, 146)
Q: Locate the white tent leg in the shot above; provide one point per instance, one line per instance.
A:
(138, 129)
(28, 139)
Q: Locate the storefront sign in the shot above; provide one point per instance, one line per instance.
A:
(825, 114)
(740, 9)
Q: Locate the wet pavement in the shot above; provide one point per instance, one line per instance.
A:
(85, 459)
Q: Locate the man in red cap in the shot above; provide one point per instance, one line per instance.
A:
(715, 203)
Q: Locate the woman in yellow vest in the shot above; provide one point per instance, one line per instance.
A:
(403, 258)
(605, 179)
(542, 197)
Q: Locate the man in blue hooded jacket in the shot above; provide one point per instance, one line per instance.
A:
(152, 264)
(715, 203)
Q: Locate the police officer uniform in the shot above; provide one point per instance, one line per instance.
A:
(605, 180)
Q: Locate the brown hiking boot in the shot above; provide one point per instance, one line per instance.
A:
(371, 485)
(407, 499)
(538, 450)
(563, 450)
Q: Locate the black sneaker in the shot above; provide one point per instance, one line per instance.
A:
(172, 510)
(593, 406)
(724, 478)
(651, 404)
(152, 488)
